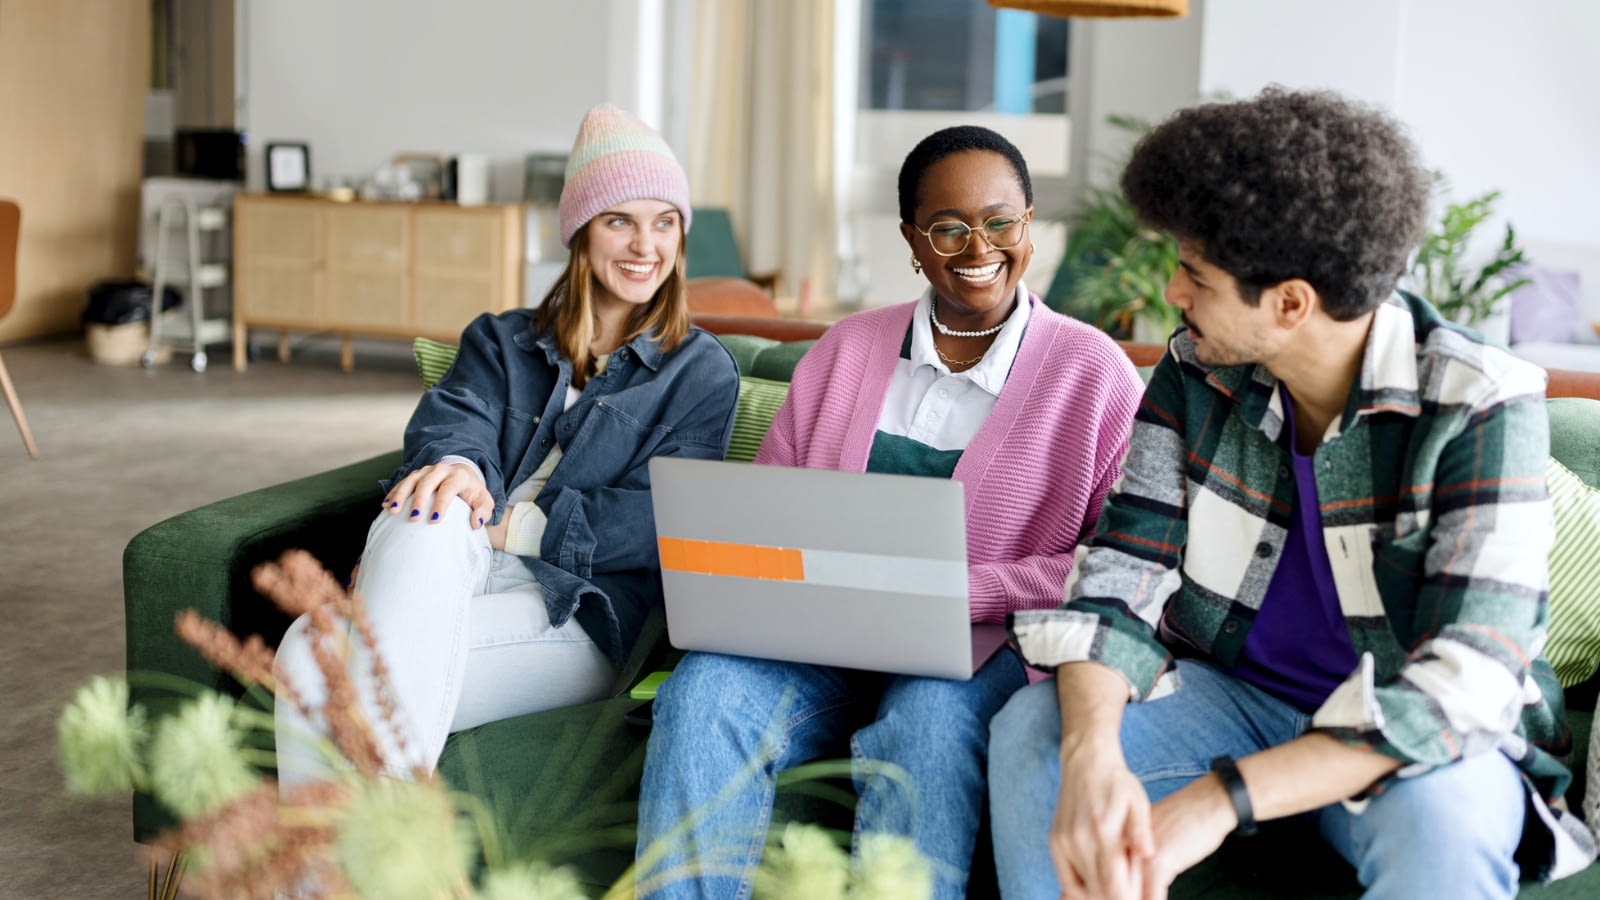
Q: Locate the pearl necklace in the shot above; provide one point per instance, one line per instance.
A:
(933, 313)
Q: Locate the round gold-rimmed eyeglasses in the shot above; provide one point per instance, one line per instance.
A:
(950, 237)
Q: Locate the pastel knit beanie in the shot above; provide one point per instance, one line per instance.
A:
(618, 158)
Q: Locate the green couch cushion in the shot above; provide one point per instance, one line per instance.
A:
(746, 349)
(778, 361)
(761, 357)
(1575, 436)
(1574, 648)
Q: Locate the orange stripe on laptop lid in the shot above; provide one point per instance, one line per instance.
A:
(730, 559)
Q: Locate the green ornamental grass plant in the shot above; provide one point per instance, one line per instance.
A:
(371, 834)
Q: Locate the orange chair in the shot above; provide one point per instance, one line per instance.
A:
(10, 230)
(727, 296)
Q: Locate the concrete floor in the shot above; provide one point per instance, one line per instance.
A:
(121, 449)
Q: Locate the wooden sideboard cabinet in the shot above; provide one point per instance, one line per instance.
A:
(370, 268)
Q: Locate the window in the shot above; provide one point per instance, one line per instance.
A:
(959, 55)
(923, 65)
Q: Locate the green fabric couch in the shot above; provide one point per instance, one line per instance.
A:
(565, 783)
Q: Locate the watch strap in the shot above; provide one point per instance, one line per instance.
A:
(1227, 772)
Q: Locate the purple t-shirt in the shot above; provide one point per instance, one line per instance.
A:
(1299, 648)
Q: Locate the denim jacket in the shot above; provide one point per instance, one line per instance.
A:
(500, 405)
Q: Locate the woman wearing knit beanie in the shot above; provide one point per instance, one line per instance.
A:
(977, 381)
(514, 560)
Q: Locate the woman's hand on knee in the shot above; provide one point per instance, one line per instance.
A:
(442, 482)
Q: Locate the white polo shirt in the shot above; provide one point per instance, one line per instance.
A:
(942, 409)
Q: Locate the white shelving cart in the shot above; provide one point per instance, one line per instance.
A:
(186, 243)
(198, 227)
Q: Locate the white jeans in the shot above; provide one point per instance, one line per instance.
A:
(465, 636)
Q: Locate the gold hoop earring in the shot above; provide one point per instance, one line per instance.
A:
(916, 264)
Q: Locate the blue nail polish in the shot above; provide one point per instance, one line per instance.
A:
(415, 513)
(435, 517)
(394, 504)
(480, 521)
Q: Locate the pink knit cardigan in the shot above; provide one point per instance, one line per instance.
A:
(1034, 475)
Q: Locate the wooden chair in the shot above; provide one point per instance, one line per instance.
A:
(10, 231)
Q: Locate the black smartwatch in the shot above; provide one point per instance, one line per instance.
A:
(1228, 772)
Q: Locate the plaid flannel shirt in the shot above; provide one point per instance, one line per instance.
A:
(1436, 522)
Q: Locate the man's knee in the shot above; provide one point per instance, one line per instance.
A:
(1027, 730)
(1478, 802)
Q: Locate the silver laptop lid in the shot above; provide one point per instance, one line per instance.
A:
(848, 569)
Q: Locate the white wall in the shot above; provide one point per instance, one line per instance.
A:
(1130, 67)
(362, 80)
(1497, 96)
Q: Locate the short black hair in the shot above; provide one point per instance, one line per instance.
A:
(1290, 184)
(948, 142)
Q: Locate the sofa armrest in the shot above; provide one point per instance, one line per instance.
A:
(761, 326)
(201, 560)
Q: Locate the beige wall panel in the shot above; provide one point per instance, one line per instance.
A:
(72, 84)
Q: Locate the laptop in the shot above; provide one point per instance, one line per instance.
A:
(863, 571)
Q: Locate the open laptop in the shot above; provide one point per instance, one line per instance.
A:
(864, 571)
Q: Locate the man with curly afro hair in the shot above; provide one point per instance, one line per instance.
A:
(1319, 592)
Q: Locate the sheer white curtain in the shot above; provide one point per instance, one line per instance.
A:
(761, 131)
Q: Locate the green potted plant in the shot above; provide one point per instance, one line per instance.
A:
(1114, 270)
(1441, 272)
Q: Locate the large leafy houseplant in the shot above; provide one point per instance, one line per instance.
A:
(1442, 272)
(1115, 269)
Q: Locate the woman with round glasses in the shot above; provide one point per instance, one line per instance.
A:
(978, 381)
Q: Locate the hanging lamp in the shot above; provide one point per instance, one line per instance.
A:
(1099, 9)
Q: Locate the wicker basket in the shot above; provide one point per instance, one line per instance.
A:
(122, 345)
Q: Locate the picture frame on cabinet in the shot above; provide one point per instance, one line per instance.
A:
(288, 167)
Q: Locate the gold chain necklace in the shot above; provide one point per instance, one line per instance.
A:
(957, 362)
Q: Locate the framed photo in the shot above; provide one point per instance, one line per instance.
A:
(288, 167)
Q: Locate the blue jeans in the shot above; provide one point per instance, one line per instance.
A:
(1451, 832)
(725, 726)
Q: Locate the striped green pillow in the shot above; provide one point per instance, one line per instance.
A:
(1574, 648)
(759, 398)
(433, 359)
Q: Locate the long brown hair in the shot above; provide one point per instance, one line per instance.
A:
(568, 309)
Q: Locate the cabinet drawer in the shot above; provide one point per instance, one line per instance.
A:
(366, 299)
(280, 231)
(444, 304)
(281, 292)
(457, 240)
(368, 237)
